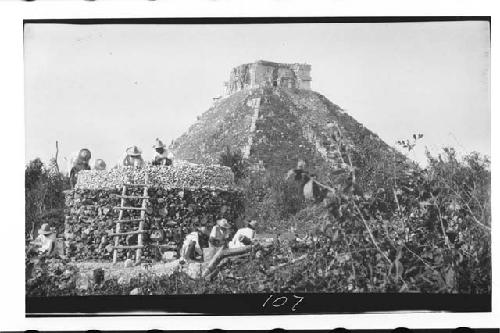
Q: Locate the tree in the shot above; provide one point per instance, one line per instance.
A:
(44, 197)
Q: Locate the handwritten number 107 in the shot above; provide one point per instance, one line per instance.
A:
(280, 301)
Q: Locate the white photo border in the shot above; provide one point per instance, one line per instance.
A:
(12, 14)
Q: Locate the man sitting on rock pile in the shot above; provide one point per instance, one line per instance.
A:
(133, 157)
(161, 155)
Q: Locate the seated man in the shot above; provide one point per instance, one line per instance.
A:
(133, 158)
(244, 236)
(191, 248)
(45, 242)
(161, 155)
(218, 237)
(219, 234)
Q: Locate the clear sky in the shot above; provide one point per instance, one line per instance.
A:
(106, 87)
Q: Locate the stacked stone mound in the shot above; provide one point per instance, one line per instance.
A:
(181, 175)
(182, 197)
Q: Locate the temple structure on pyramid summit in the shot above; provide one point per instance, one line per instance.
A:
(263, 73)
(273, 117)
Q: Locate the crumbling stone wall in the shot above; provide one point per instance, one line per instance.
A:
(174, 208)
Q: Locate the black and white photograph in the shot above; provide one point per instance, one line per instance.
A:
(258, 157)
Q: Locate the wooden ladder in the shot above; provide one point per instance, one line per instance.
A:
(140, 231)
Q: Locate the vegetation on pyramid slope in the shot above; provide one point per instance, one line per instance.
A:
(371, 156)
(290, 124)
(225, 124)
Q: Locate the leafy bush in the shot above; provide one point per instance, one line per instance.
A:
(426, 231)
(234, 160)
(44, 197)
(430, 233)
(271, 199)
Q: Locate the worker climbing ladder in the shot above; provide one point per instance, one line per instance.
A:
(142, 219)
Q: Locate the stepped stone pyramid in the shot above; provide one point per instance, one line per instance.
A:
(270, 114)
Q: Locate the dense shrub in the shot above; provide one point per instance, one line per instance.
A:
(427, 230)
(234, 160)
(271, 199)
(429, 233)
(44, 197)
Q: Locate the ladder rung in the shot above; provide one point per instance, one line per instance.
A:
(129, 233)
(129, 220)
(132, 196)
(129, 208)
(128, 247)
(136, 185)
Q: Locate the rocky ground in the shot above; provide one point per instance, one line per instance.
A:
(119, 270)
(124, 274)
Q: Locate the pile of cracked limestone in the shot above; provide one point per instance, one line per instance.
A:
(180, 199)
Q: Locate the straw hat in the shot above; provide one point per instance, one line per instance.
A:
(100, 164)
(134, 151)
(159, 144)
(252, 224)
(45, 229)
(223, 224)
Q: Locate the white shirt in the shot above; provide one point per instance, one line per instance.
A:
(219, 233)
(246, 232)
(45, 243)
(193, 237)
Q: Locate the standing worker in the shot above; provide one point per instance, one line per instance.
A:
(244, 236)
(81, 162)
(133, 157)
(161, 155)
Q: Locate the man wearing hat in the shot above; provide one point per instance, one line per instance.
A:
(161, 155)
(81, 162)
(133, 158)
(193, 242)
(244, 236)
(218, 236)
(45, 242)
